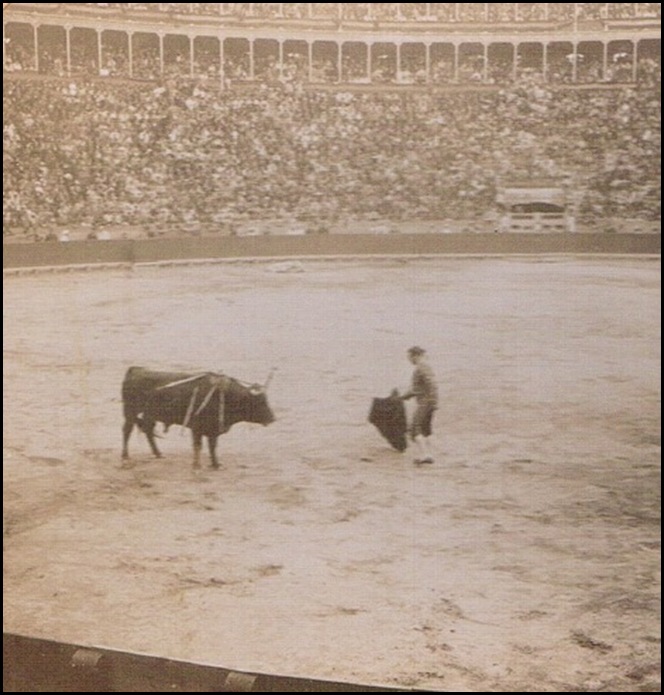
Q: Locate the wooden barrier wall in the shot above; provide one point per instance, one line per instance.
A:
(33, 665)
(37, 254)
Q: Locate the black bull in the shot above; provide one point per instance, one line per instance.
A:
(208, 404)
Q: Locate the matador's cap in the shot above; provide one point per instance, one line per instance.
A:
(416, 350)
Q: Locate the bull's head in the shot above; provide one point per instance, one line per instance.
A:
(248, 403)
(259, 409)
(260, 390)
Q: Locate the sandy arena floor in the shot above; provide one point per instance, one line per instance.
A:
(527, 558)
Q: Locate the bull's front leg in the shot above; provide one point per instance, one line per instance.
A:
(212, 447)
(197, 439)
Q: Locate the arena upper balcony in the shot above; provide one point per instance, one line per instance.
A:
(376, 16)
(338, 43)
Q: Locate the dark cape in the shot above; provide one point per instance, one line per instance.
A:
(389, 417)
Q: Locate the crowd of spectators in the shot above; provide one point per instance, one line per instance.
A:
(104, 153)
(414, 11)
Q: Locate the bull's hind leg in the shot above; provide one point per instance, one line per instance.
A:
(148, 427)
(126, 433)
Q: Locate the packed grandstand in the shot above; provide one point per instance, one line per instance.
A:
(167, 117)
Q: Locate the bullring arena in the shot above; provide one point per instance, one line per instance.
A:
(526, 558)
(306, 190)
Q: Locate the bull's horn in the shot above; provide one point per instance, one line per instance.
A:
(269, 378)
